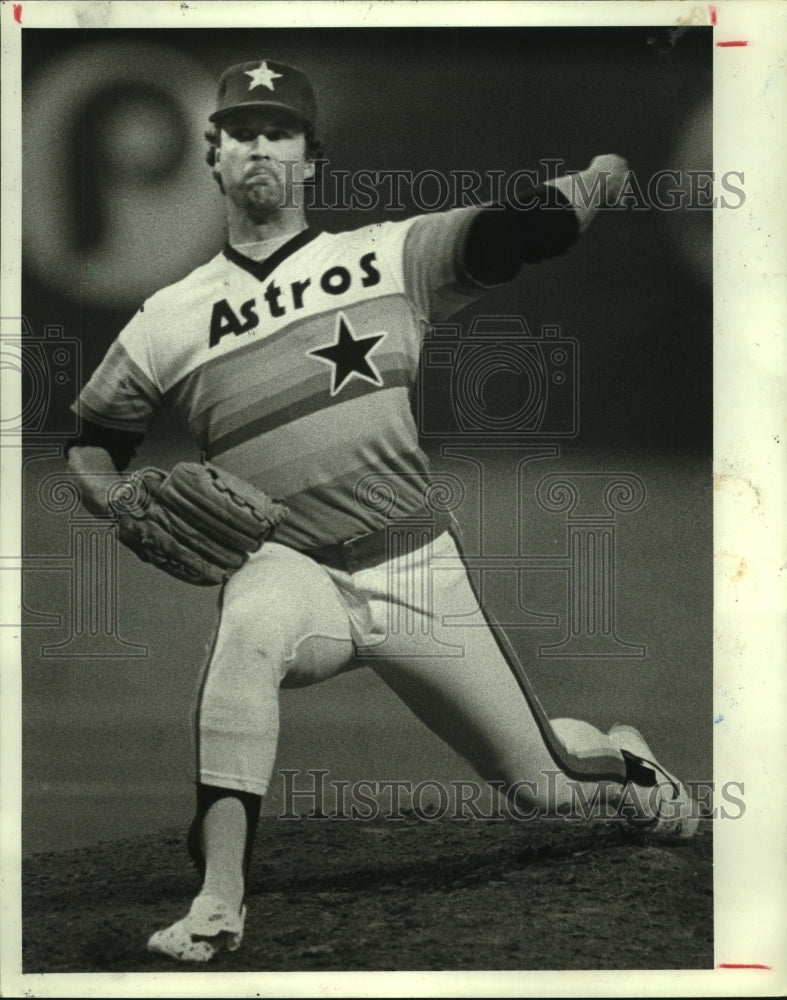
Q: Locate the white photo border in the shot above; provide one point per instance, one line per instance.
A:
(750, 441)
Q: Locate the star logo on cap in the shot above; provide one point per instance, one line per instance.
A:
(262, 76)
(349, 356)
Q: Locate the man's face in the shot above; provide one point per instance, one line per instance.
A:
(261, 159)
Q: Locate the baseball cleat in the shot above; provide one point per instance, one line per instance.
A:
(208, 928)
(675, 812)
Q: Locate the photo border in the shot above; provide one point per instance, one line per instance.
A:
(750, 881)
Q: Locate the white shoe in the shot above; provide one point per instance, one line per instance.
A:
(208, 928)
(675, 813)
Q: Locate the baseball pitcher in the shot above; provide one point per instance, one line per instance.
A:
(291, 356)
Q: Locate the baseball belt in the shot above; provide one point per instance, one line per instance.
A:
(366, 551)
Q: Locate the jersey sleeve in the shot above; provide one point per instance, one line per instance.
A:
(435, 278)
(123, 393)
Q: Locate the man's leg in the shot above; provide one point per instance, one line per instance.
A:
(482, 705)
(221, 838)
(282, 622)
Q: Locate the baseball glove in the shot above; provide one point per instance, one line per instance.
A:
(198, 523)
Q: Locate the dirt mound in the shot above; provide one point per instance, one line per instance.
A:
(343, 896)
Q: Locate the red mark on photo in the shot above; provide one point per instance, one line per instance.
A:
(727, 45)
(712, 10)
(18, 13)
(733, 965)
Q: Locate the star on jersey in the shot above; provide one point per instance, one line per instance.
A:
(262, 76)
(349, 356)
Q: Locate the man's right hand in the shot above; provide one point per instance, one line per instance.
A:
(613, 169)
(598, 186)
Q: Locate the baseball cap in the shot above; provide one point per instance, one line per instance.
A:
(265, 84)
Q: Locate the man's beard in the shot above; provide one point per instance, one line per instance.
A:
(261, 198)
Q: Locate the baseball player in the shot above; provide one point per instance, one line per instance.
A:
(291, 356)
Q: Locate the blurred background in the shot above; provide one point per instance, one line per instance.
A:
(118, 201)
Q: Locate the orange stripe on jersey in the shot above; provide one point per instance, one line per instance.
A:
(228, 416)
(290, 414)
(325, 448)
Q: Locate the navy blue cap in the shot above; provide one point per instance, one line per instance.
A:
(265, 84)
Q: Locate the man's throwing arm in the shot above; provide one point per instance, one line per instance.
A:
(541, 222)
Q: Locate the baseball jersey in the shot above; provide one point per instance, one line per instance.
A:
(296, 372)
